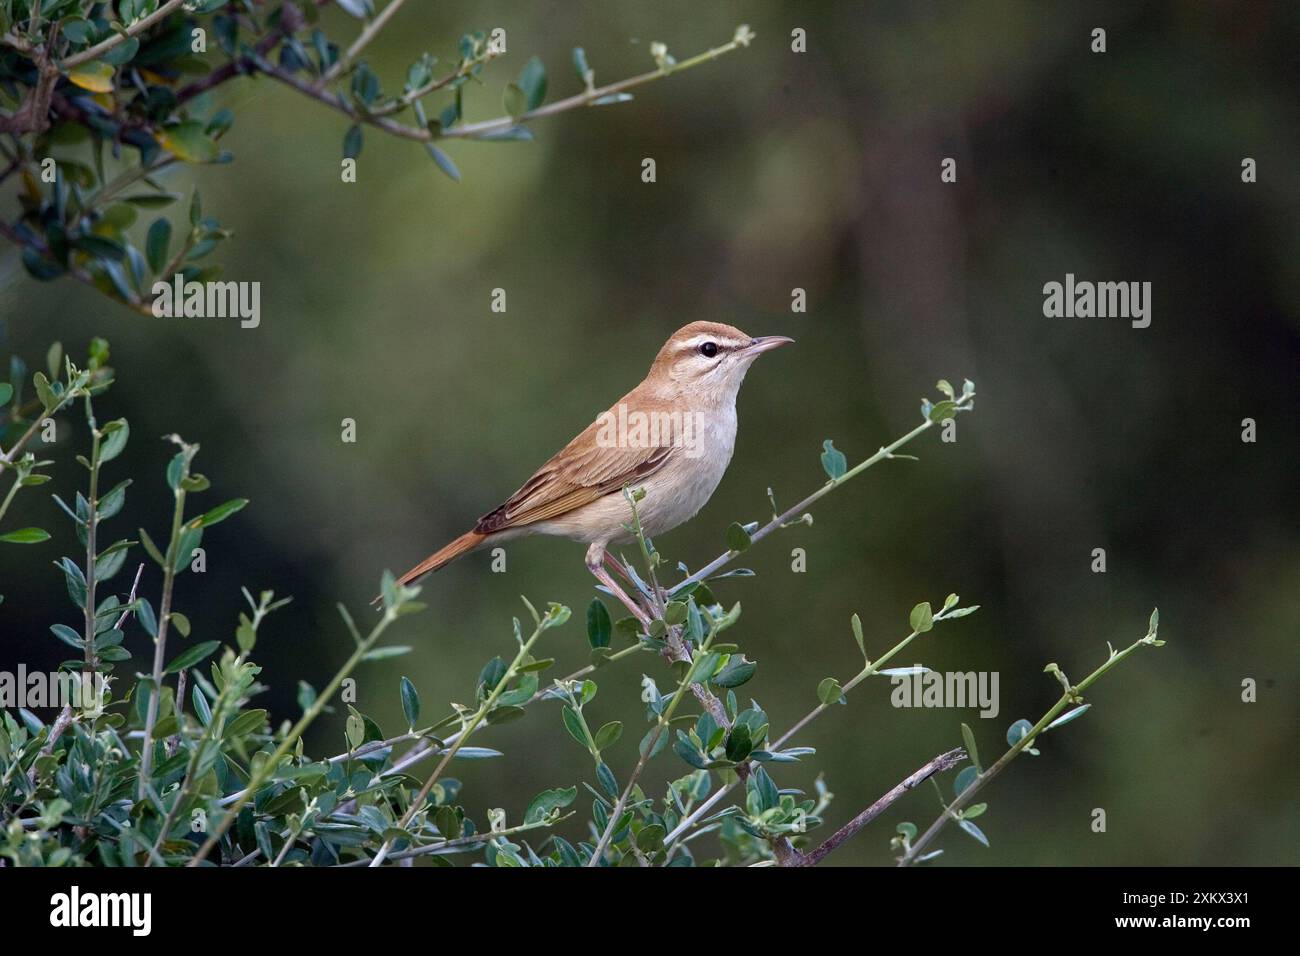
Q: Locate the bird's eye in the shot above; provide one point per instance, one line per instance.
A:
(709, 349)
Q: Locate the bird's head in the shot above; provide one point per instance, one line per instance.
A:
(708, 360)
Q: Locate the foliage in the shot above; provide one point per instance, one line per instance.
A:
(98, 99)
(180, 767)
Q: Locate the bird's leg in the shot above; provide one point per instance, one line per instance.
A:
(595, 564)
(622, 571)
(618, 567)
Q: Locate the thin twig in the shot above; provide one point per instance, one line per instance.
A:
(144, 23)
(1072, 695)
(843, 834)
(369, 33)
(462, 841)
(171, 558)
(648, 751)
(588, 97)
(782, 520)
(473, 723)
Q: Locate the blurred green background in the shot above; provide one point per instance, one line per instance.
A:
(776, 170)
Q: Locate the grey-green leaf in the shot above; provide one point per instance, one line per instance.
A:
(410, 702)
(833, 460)
(968, 737)
(192, 656)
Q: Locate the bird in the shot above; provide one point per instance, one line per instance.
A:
(672, 436)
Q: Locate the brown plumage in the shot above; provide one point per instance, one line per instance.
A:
(691, 390)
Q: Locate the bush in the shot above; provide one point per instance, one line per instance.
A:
(179, 768)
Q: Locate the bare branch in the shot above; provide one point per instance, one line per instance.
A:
(788, 856)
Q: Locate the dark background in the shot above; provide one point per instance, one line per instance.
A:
(776, 170)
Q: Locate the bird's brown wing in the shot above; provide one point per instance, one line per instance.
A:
(582, 472)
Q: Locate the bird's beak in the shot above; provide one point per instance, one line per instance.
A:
(765, 343)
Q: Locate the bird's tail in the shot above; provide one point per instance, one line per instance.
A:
(465, 543)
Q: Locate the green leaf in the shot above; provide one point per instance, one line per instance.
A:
(608, 735)
(25, 536)
(410, 702)
(598, 624)
(922, 618)
(764, 788)
(246, 638)
(737, 538)
(1017, 731)
(651, 838)
(942, 410)
(181, 623)
(573, 724)
(219, 513)
(974, 810)
(547, 802)
(6, 393)
(153, 200)
(250, 721)
(739, 743)
(968, 737)
(964, 779)
(675, 613)
(1068, 716)
(151, 549)
(156, 242)
(189, 142)
(503, 713)
(144, 614)
(654, 741)
(973, 830)
(176, 471)
(193, 656)
(532, 81)
(856, 623)
(907, 829)
(735, 672)
(68, 636)
(123, 53)
(115, 442)
(829, 691)
(189, 540)
(833, 461)
(352, 141)
(514, 101)
(444, 162)
(95, 76)
(580, 63)
(44, 392)
(40, 267)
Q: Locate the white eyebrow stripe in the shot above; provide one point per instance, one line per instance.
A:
(698, 340)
